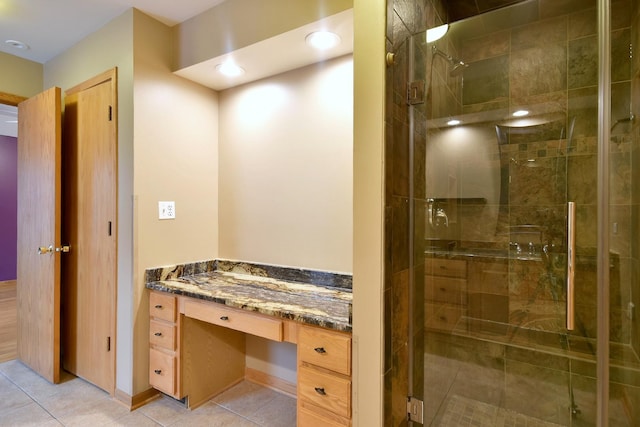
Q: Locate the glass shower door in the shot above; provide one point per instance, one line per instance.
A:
(507, 137)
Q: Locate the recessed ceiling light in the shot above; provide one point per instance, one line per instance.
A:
(17, 44)
(437, 33)
(520, 113)
(454, 122)
(322, 40)
(230, 69)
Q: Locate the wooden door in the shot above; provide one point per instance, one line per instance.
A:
(38, 269)
(89, 273)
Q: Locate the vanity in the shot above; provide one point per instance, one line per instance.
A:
(199, 314)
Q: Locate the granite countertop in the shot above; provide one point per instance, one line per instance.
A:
(300, 297)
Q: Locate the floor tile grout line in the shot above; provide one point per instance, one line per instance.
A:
(236, 413)
(26, 393)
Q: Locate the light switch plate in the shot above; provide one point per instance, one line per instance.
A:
(167, 210)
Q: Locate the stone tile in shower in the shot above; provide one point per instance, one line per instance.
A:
(400, 386)
(492, 45)
(620, 55)
(532, 357)
(621, 14)
(400, 310)
(541, 33)
(549, 8)
(480, 223)
(583, 23)
(586, 221)
(419, 172)
(537, 391)
(487, 81)
(537, 183)
(620, 105)
(479, 382)
(478, 109)
(400, 32)
(400, 234)
(400, 158)
(538, 70)
(388, 328)
(620, 178)
(388, 399)
(583, 62)
(582, 187)
(583, 105)
(552, 105)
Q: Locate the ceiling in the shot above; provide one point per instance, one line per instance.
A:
(49, 28)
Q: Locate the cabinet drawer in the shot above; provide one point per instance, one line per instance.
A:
(446, 289)
(308, 418)
(162, 335)
(489, 277)
(443, 317)
(162, 306)
(446, 267)
(162, 370)
(326, 349)
(239, 320)
(328, 391)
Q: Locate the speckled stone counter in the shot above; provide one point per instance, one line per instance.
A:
(305, 296)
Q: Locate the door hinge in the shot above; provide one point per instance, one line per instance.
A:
(110, 113)
(415, 410)
(108, 343)
(415, 92)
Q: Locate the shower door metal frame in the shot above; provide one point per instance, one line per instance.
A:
(604, 130)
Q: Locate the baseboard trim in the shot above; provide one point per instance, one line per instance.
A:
(138, 400)
(270, 381)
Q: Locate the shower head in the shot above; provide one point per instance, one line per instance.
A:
(457, 65)
(458, 68)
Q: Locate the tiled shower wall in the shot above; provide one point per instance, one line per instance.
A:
(635, 173)
(549, 66)
(539, 61)
(404, 18)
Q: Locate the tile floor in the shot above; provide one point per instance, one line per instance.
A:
(26, 399)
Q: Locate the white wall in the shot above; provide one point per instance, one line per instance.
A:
(176, 158)
(368, 210)
(20, 76)
(286, 152)
(285, 180)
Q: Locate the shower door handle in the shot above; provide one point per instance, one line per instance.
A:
(571, 260)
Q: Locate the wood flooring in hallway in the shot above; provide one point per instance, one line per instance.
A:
(8, 320)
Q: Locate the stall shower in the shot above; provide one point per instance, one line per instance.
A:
(512, 207)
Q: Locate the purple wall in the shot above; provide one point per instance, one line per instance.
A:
(8, 207)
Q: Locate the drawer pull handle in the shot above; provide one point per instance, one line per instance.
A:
(320, 391)
(320, 350)
(224, 318)
(158, 334)
(157, 371)
(158, 306)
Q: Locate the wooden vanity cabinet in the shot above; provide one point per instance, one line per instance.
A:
(164, 344)
(324, 377)
(197, 350)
